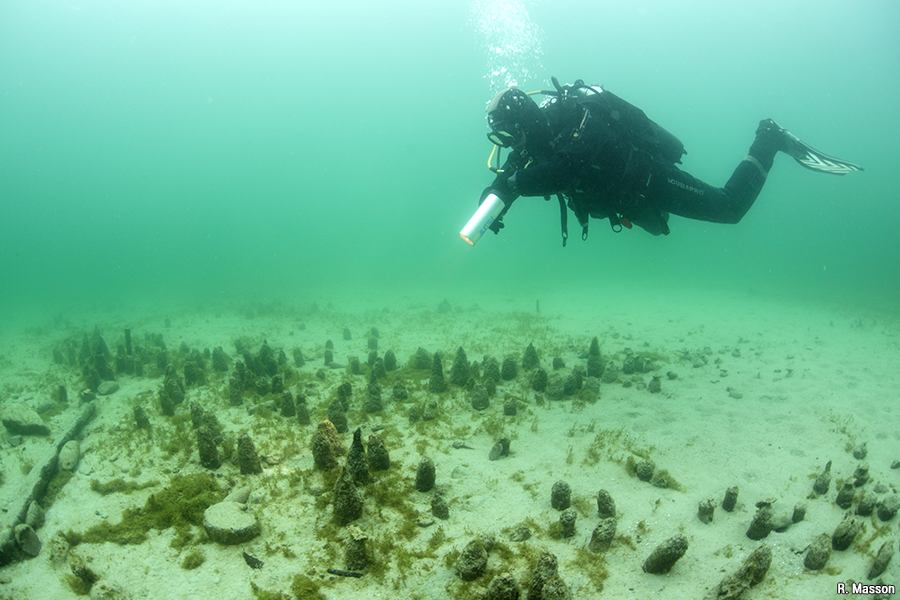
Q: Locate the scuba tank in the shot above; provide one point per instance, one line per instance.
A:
(627, 120)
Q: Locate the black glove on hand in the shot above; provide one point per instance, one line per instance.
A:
(497, 225)
(501, 189)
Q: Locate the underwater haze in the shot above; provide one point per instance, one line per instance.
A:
(278, 187)
(228, 152)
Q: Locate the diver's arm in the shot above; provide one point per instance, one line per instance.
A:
(549, 177)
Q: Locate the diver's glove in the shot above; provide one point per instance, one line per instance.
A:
(502, 191)
(497, 225)
(503, 188)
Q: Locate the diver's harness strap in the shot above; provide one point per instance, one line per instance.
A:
(563, 218)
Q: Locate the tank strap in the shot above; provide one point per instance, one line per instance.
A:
(563, 218)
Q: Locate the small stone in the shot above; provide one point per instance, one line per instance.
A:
(472, 561)
(606, 507)
(655, 385)
(567, 522)
(706, 510)
(644, 470)
(799, 512)
(228, 523)
(34, 516)
(520, 534)
(860, 451)
(107, 387)
(561, 495)
(69, 455)
(664, 557)
(239, 495)
(21, 419)
(603, 535)
(780, 522)
(819, 552)
(27, 539)
(425, 475)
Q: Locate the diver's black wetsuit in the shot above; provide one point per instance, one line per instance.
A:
(603, 176)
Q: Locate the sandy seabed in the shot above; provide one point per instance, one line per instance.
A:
(780, 389)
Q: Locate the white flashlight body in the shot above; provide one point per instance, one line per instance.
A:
(486, 214)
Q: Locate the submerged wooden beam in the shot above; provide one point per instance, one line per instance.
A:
(36, 484)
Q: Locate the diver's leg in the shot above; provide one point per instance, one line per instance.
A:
(682, 194)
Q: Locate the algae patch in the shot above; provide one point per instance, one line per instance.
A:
(180, 505)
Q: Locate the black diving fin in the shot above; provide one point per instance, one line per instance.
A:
(811, 158)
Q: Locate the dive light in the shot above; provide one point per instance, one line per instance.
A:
(489, 210)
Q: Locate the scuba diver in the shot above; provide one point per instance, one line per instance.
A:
(604, 158)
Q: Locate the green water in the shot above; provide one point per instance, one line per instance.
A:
(184, 152)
